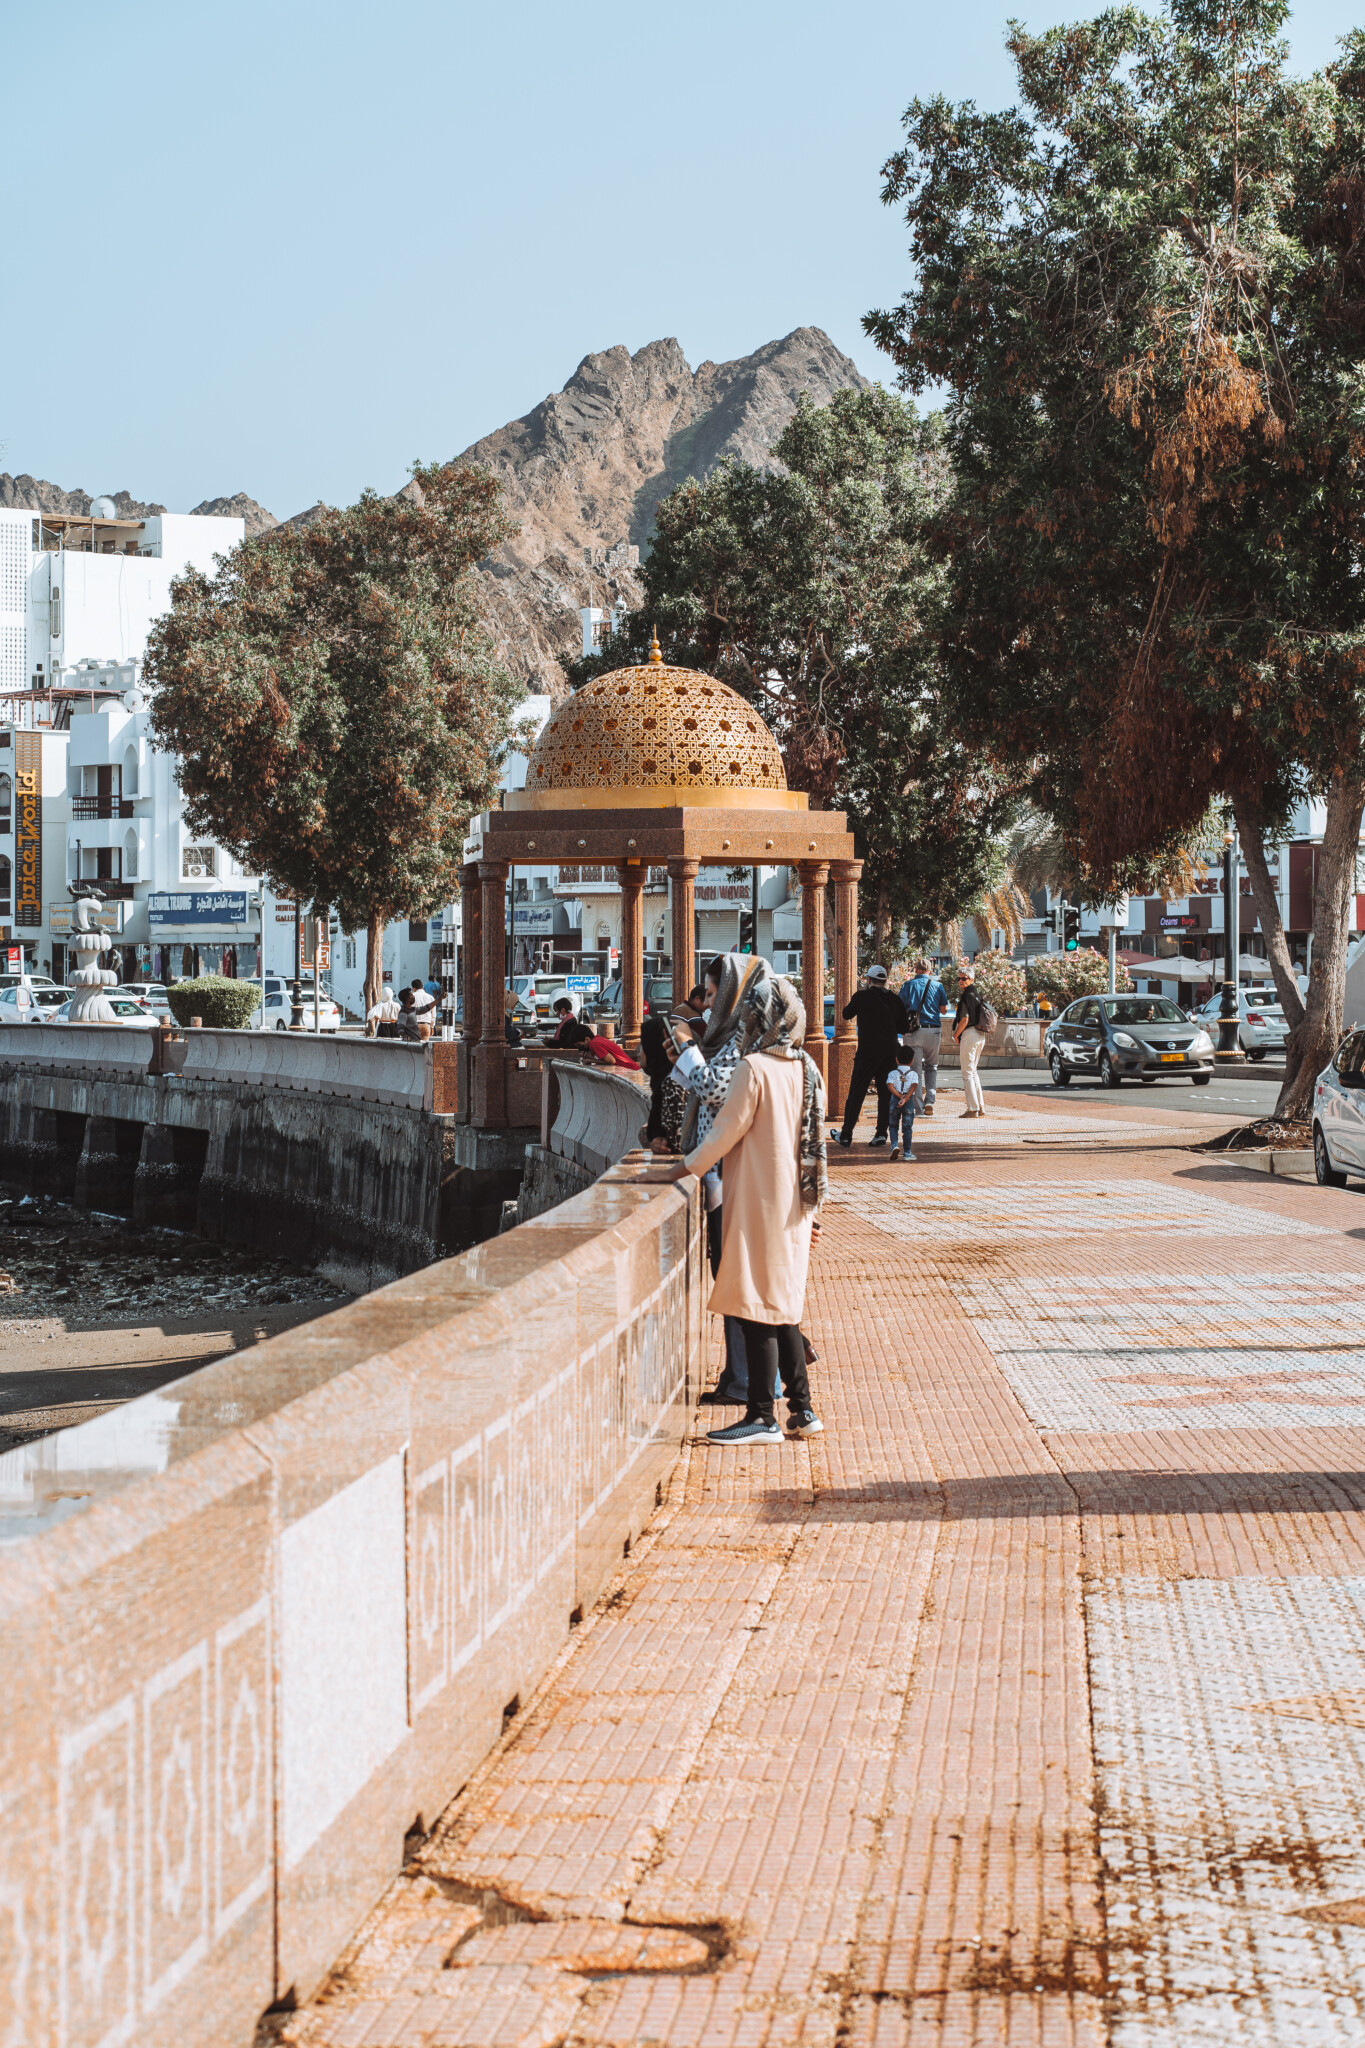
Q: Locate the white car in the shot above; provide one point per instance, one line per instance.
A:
(1339, 1114)
(152, 994)
(126, 1009)
(1261, 1027)
(274, 1014)
(32, 1005)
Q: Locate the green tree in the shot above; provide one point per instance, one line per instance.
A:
(809, 590)
(335, 703)
(1145, 297)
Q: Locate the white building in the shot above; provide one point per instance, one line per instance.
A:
(94, 799)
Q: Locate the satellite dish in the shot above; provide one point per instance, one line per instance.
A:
(103, 508)
(133, 700)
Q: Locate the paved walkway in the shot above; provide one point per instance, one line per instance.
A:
(1026, 1706)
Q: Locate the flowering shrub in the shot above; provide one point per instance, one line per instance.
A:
(1001, 982)
(1062, 977)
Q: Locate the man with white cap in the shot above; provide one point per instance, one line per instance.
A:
(881, 1018)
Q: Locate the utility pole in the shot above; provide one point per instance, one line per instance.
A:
(1228, 1020)
(296, 992)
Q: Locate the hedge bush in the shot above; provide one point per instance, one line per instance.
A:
(1065, 976)
(220, 1004)
(1000, 981)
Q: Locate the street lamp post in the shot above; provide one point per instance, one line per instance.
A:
(1227, 1013)
(296, 991)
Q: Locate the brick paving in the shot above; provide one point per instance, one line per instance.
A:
(1024, 1707)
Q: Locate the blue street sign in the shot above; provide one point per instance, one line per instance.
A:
(583, 984)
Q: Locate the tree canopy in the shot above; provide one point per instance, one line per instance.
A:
(335, 703)
(1144, 292)
(810, 591)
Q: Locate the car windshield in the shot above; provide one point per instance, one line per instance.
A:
(1144, 1010)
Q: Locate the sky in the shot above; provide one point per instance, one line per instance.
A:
(290, 248)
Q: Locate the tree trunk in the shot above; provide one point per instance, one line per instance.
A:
(883, 922)
(1315, 1038)
(1268, 910)
(374, 959)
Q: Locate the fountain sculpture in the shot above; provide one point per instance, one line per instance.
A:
(90, 1004)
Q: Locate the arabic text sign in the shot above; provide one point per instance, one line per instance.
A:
(197, 906)
(28, 828)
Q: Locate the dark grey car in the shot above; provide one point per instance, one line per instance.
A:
(1117, 1038)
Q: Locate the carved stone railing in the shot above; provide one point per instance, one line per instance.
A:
(600, 1114)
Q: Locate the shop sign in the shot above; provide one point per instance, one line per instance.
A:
(533, 921)
(197, 907)
(723, 895)
(107, 917)
(1179, 924)
(28, 828)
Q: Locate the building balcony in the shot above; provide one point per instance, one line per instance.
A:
(102, 806)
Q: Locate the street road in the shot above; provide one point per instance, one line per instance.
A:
(1236, 1096)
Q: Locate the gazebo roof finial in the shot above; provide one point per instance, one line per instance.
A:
(656, 659)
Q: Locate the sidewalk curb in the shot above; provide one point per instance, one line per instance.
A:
(1289, 1165)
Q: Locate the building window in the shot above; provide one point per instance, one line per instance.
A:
(350, 952)
(130, 856)
(417, 931)
(4, 886)
(199, 863)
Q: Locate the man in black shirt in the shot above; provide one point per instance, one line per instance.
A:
(881, 1017)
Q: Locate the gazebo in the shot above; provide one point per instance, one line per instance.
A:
(651, 767)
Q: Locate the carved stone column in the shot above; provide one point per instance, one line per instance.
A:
(490, 1065)
(813, 875)
(471, 951)
(845, 874)
(683, 876)
(631, 875)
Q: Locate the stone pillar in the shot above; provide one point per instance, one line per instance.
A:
(683, 876)
(489, 1083)
(631, 875)
(471, 951)
(845, 874)
(813, 875)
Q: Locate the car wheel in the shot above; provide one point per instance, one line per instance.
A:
(280, 1024)
(1202, 1080)
(1110, 1077)
(1328, 1177)
(1061, 1075)
(1257, 1054)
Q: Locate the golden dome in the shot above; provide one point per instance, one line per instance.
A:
(654, 735)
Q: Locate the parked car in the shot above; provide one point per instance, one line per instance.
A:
(34, 981)
(126, 1008)
(657, 989)
(20, 1005)
(1261, 1028)
(537, 995)
(1118, 1038)
(277, 1009)
(150, 993)
(1339, 1114)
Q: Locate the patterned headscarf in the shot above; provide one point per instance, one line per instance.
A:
(774, 1021)
(739, 972)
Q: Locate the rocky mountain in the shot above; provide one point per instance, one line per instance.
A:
(583, 474)
(586, 469)
(29, 493)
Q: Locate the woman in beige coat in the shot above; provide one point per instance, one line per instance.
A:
(770, 1135)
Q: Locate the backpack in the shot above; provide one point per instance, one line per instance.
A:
(990, 1018)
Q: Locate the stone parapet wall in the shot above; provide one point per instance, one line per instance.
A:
(257, 1624)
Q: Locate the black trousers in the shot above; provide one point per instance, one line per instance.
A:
(767, 1345)
(866, 1070)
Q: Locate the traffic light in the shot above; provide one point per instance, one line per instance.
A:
(1049, 923)
(1072, 915)
(746, 931)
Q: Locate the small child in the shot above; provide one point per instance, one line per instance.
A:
(904, 1088)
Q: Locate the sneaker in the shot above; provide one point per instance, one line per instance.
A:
(721, 1397)
(838, 1138)
(895, 1151)
(746, 1432)
(928, 1109)
(804, 1422)
(910, 1158)
(878, 1139)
